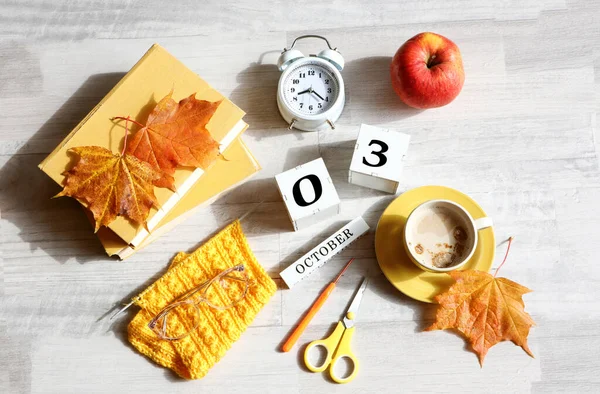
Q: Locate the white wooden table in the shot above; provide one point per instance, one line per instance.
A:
(522, 138)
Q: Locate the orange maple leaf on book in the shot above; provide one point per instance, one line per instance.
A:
(484, 309)
(175, 135)
(111, 184)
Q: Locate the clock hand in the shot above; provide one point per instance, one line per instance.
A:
(318, 95)
(309, 90)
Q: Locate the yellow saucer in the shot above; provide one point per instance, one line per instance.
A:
(392, 257)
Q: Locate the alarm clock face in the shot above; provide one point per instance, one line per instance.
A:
(310, 88)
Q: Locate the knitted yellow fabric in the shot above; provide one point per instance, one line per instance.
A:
(192, 356)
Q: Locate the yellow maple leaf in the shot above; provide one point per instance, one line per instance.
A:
(485, 310)
(110, 185)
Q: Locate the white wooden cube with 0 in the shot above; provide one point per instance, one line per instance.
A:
(308, 193)
(377, 159)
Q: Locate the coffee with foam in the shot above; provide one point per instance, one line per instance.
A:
(440, 235)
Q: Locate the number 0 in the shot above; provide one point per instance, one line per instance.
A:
(317, 186)
(380, 154)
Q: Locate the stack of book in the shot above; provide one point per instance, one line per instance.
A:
(152, 78)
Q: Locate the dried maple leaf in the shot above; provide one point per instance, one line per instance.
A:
(175, 135)
(485, 309)
(110, 184)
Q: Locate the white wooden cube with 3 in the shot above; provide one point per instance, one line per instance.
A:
(308, 193)
(377, 159)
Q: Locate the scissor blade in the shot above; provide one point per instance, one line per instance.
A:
(355, 303)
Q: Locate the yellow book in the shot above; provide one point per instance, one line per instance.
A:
(152, 78)
(222, 176)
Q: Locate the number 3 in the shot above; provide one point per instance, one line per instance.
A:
(380, 154)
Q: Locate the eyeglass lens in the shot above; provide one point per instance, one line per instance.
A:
(226, 290)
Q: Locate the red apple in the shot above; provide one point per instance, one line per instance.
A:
(427, 71)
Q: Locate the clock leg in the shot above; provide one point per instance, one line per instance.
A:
(331, 124)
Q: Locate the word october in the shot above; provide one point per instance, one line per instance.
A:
(323, 252)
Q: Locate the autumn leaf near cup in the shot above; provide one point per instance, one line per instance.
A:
(486, 310)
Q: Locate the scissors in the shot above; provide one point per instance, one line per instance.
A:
(337, 344)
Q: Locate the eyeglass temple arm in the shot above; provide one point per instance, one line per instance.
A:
(234, 278)
(193, 291)
(183, 297)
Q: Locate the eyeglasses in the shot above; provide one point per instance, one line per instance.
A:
(178, 319)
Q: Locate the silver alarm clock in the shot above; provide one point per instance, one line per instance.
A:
(310, 94)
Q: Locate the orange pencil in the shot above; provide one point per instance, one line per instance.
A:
(287, 346)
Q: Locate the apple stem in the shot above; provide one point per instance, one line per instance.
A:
(430, 61)
(510, 239)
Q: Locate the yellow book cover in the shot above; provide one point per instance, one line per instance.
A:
(221, 177)
(150, 79)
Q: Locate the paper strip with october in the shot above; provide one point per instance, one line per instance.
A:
(323, 252)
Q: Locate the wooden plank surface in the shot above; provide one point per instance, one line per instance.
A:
(523, 139)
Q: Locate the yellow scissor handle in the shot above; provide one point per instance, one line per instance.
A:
(337, 346)
(344, 351)
(330, 343)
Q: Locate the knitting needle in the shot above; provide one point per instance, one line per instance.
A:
(287, 346)
(121, 311)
